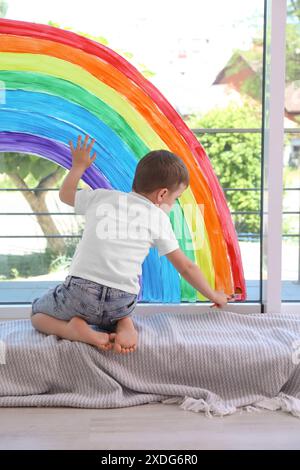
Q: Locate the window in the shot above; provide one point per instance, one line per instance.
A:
(210, 68)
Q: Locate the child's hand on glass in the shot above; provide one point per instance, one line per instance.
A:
(81, 154)
(220, 299)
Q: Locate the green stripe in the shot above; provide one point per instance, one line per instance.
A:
(55, 86)
(73, 73)
(43, 83)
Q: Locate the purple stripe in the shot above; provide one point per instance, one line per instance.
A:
(54, 151)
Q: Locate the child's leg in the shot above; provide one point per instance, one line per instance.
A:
(126, 336)
(76, 330)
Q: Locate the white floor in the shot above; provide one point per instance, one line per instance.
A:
(153, 426)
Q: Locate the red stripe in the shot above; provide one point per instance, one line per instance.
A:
(79, 42)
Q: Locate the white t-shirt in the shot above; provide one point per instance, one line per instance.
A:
(120, 228)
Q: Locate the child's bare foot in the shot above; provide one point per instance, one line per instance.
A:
(125, 337)
(81, 331)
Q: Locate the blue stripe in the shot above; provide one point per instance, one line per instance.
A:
(114, 160)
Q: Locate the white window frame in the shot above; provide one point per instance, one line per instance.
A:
(273, 160)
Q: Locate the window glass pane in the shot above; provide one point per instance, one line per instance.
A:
(236, 160)
(291, 170)
(291, 221)
(38, 233)
(206, 59)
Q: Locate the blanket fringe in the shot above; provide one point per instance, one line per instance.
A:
(282, 402)
(217, 407)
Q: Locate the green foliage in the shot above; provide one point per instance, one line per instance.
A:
(31, 168)
(25, 265)
(293, 9)
(235, 159)
(59, 262)
(14, 273)
(292, 52)
(241, 63)
(3, 8)
(37, 264)
(252, 85)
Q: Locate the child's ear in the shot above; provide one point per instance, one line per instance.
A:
(162, 192)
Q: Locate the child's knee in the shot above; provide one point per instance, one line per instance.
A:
(36, 318)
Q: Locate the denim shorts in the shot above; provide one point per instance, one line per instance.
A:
(97, 304)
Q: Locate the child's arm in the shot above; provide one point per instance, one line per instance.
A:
(80, 162)
(194, 276)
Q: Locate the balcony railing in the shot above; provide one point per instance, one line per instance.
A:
(198, 132)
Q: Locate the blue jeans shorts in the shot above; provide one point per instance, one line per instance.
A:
(97, 304)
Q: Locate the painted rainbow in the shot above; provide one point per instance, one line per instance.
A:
(59, 84)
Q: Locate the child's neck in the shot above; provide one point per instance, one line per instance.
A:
(147, 196)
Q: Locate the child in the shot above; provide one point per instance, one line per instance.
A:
(102, 286)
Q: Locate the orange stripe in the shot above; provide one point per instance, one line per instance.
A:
(112, 77)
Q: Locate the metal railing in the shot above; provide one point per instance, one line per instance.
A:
(290, 130)
(197, 132)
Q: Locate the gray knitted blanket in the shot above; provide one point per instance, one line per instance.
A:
(214, 362)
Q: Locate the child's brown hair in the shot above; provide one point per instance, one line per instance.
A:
(160, 169)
